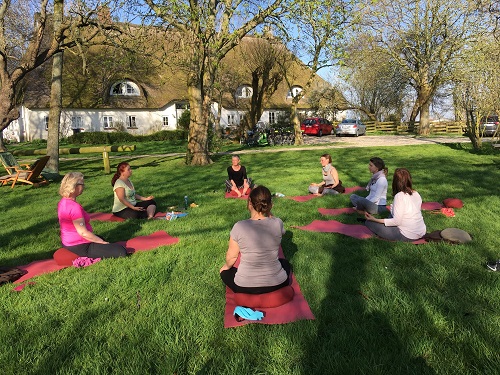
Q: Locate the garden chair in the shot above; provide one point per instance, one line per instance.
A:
(10, 163)
(31, 176)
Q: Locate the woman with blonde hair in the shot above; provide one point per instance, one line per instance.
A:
(76, 232)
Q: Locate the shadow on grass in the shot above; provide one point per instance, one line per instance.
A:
(352, 337)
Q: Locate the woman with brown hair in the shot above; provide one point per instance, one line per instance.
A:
(258, 240)
(375, 202)
(406, 222)
(331, 182)
(127, 203)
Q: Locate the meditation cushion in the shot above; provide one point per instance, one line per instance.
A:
(64, 257)
(266, 300)
(455, 235)
(453, 203)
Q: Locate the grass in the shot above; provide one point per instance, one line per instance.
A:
(380, 307)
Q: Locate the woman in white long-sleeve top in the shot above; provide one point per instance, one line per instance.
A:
(406, 222)
(375, 202)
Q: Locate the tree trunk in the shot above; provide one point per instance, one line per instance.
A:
(197, 153)
(55, 96)
(55, 113)
(2, 144)
(424, 119)
(294, 118)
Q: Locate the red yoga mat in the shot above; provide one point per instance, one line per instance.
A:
(305, 198)
(351, 230)
(141, 243)
(350, 210)
(296, 309)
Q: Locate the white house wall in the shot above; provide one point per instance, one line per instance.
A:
(147, 121)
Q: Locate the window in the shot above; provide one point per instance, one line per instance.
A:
(165, 121)
(107, 122)
(76, 122)
(294, 91)
(131, 123)
(272, 117)
(244, 92)
(230, 119)
(46, 122)
(126, 88)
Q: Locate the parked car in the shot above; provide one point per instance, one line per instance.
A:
(488, 126)
(352, 127)
(317, 126)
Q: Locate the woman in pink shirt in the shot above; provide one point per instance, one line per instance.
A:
(406, 222)
(76, 233)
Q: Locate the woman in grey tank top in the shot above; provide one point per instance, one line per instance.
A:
(257, 242)
(330, 178)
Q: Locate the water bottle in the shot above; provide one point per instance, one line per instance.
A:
(186, 202)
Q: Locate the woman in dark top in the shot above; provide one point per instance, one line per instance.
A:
(238, 180)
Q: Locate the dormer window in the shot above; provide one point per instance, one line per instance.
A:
(126, 88)
(244, 92)
(294, 91)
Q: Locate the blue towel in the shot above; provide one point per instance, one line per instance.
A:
(247, 313)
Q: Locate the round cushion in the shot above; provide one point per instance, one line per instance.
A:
(456, 235)
(265, 300)
(453, 203)
(64, 257)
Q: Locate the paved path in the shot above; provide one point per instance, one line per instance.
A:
(312, 142)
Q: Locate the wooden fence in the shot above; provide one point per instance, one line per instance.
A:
(442, 127)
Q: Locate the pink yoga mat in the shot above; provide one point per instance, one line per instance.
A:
(429, 206)
(351, 230)
(107, 216)
(142, 243)
(296, 309)
(305, 198)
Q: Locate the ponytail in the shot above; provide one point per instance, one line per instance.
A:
(119, 169)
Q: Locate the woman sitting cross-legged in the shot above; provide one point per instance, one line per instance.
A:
(257, 240)
(237, 179)
(127, 203)
(376, 200)
(76, 231)
(406, 222)
(331, 182)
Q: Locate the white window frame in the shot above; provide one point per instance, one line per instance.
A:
(272, 117)
(231, 119)
(76, 122)
(107, 122)
(46, 122)
(294, 91)
(244, 92)
(124, 88)
(131, 122)
(165, 121)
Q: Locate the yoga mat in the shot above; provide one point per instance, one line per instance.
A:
(305, 198)
(429, 206)
(351, 230)
(235, 196)
(141, 243)
(108, 216)
(350, 210)
(296, 309)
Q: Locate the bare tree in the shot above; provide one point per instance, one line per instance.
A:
(208, 30)
(424, 38)
(319, 26)
(477, 88)
(26, 43)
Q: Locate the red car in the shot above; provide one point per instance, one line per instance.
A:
(316, 126)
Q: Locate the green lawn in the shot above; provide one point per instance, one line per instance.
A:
(380, 307)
